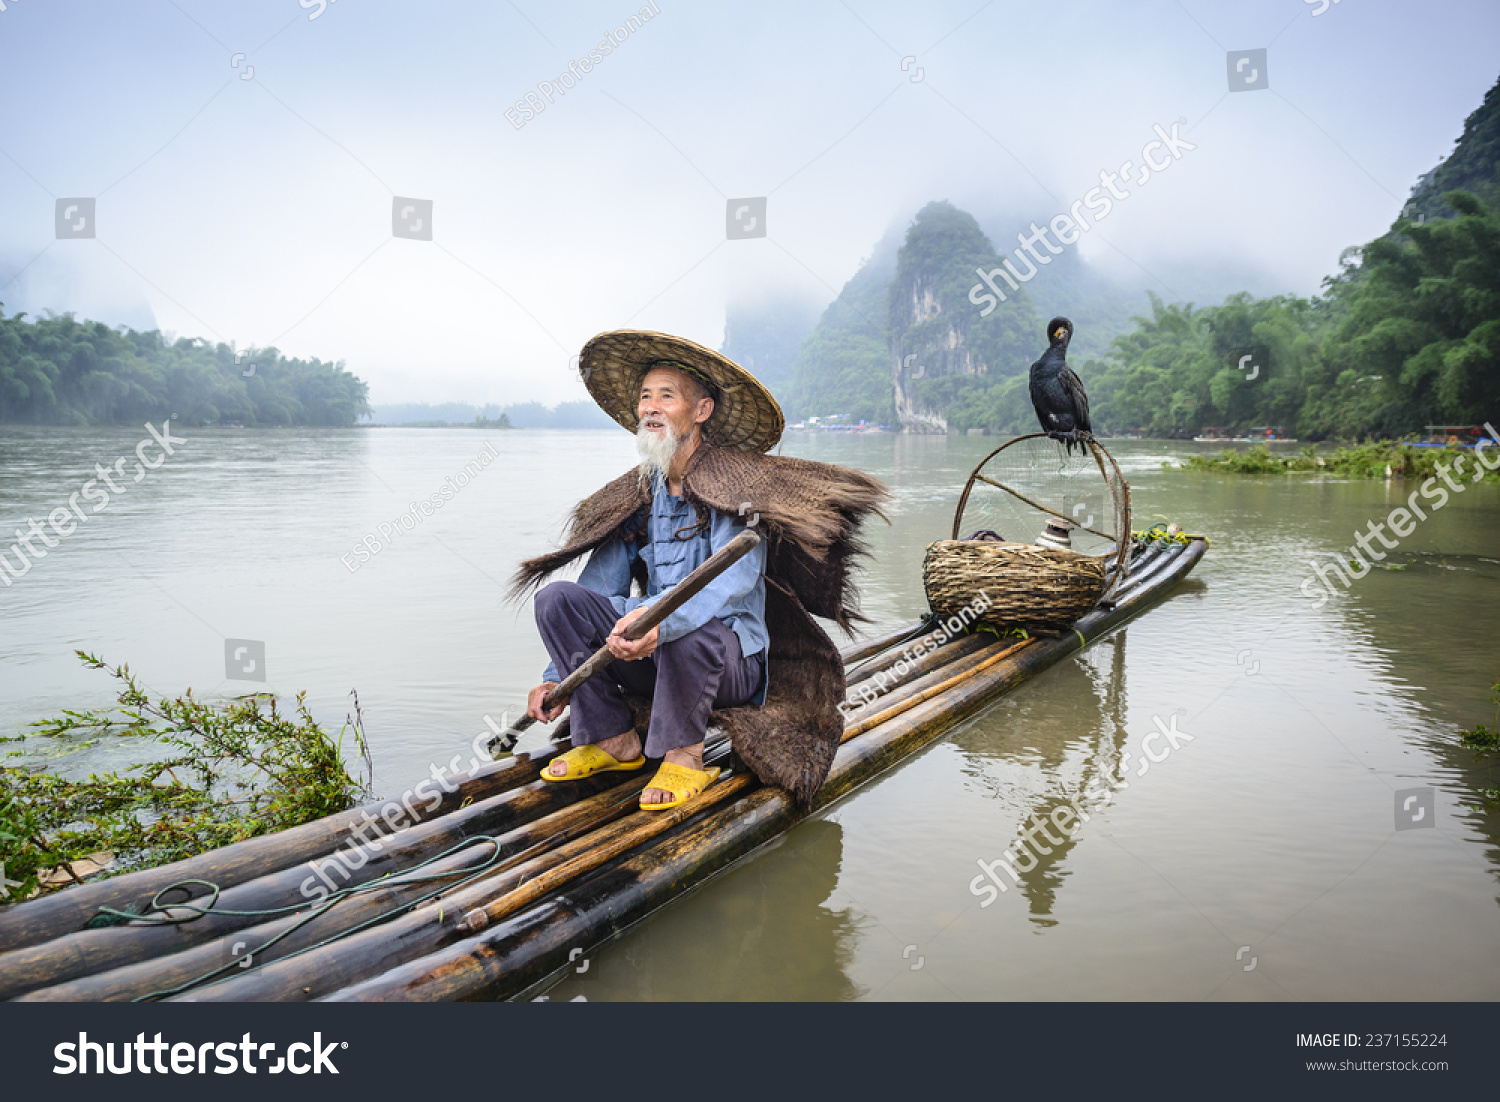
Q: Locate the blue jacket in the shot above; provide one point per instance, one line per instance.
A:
(737, 596)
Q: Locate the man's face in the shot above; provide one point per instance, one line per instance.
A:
(666, 399)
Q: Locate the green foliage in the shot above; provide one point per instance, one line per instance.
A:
(59, 371)
(1257, 460)
(1178, 370)
(943, 248)
(1420, 321)
(1375, 459)
(220, 772)
(1485, 742)
(1406, 334)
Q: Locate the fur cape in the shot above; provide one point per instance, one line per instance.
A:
(809, 514)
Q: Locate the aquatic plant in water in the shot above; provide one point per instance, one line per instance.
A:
(1373, 459)
(220, 772)
(1485, 742)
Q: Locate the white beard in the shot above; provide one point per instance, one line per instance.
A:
(656, 450)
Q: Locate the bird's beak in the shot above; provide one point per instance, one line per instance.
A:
(1060, 332)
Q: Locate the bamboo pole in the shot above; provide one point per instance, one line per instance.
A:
(859, 652)
(512, 956)
(176, 968)
(654, 823)
(428, 928)
(41, 920)
(950, 651)
(94, 952)
(1151, 566)
(908, 686)
(895, 709)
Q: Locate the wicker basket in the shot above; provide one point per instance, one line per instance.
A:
(1011, 584)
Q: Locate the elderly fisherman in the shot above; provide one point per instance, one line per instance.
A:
(745, 647)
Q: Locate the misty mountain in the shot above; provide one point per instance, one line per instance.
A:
(763, 338)
(906, 344)
(843, 365)
(943, 343)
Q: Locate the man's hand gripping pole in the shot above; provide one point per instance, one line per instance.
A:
(668, 603)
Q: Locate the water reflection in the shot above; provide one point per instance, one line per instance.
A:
(1418, 627)
(764, 932)
(1072, 744)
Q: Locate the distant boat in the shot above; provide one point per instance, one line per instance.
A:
(1262, 434)
(1454, 436)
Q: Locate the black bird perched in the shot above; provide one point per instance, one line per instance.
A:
(1057, 394)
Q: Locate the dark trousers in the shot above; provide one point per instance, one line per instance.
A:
(686, 679)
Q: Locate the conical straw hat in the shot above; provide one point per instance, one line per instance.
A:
(745, 416)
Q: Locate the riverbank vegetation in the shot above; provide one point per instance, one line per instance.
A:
(1375, 459)
(60, 371)
(218, 772)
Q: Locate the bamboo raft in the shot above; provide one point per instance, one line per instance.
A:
(517, 874)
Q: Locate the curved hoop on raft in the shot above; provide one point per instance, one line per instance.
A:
(1034, 587)
(810, 514)
(1100, 454)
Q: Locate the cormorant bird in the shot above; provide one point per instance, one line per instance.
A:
(1057, 394)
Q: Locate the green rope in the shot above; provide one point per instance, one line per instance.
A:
(409, 876)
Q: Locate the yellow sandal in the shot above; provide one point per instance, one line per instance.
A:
(683, 783)
(585, 761)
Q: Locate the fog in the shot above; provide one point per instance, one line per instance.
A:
(251, 198)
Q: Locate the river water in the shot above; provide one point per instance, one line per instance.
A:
(1259, 860)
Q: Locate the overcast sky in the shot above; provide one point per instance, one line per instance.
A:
(259, 210)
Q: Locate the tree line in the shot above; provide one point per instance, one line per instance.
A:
(57, 370)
